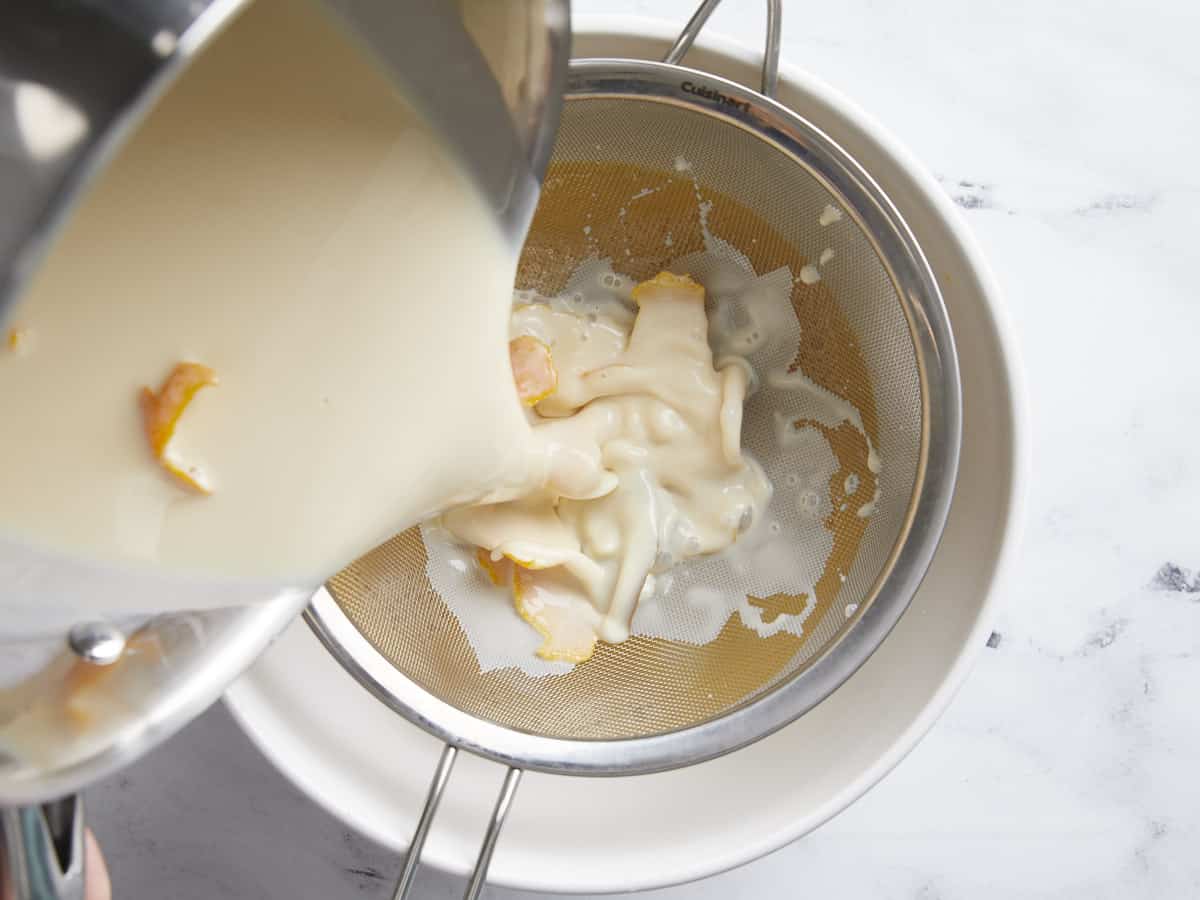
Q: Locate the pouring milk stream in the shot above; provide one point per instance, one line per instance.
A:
(285, 221)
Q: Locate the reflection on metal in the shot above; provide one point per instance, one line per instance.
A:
(98, 643)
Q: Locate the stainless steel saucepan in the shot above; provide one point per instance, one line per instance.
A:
(76, 78)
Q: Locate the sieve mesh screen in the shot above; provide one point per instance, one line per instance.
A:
(626, 182)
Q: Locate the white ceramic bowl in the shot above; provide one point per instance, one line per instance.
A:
(370, 768)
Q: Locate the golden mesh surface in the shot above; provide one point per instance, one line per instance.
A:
(616, 188)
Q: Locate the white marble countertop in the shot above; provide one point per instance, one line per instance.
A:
(1069, 133)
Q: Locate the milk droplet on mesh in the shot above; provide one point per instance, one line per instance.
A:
(868, 508)
(829, 215)
(851, 609)
(826, 256)
(164, 43)
(810, 503)
(809, 274)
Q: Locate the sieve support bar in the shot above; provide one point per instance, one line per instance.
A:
(770, 66)
(437, 785)
(503, 804)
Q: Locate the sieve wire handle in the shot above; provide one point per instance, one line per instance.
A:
(503, 803)
(437, 785)
(770, 66)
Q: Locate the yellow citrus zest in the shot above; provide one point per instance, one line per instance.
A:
(533, 369)
(161, 412)
(549, 650)
(668, 285)
(490, 566)
(532, 564)
(18, 340)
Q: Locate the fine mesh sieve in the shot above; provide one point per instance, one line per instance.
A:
(651, 161)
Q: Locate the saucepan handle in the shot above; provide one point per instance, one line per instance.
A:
(42, 851)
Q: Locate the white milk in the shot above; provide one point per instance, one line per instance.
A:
(643, 447)
(283, 218)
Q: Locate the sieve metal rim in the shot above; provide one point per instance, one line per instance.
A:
(865, 201)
